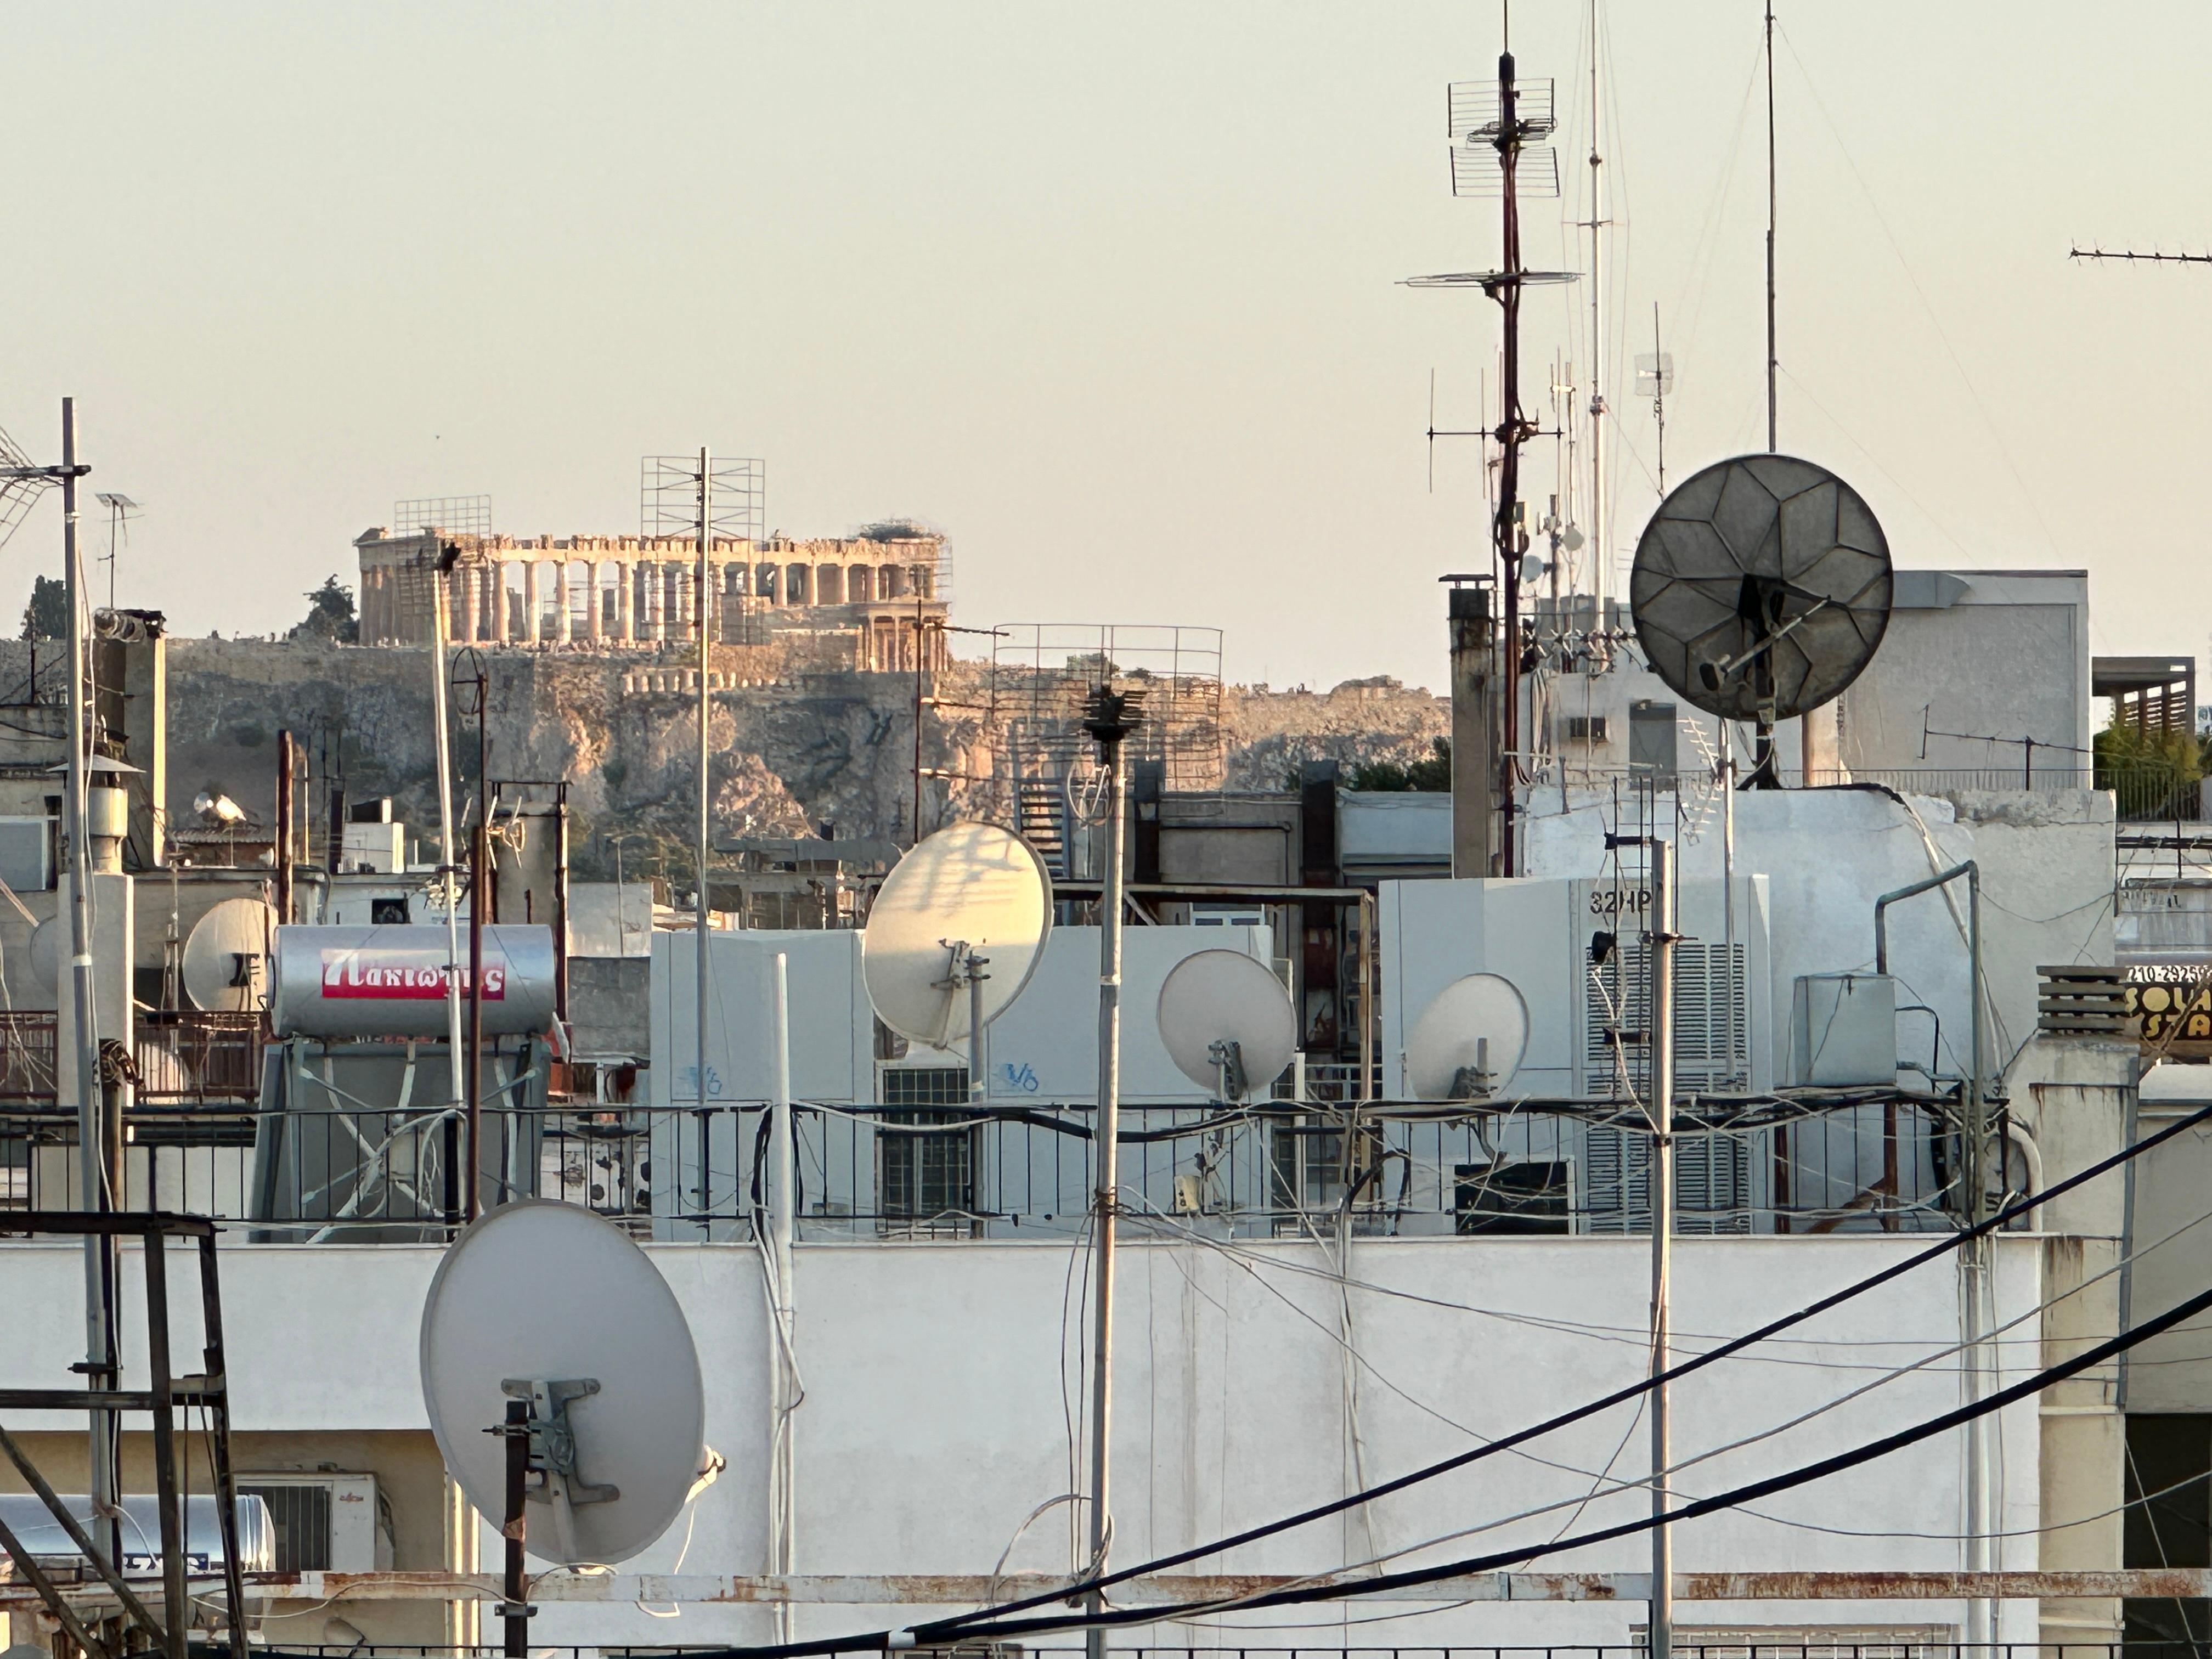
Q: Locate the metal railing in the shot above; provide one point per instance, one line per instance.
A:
(1755, 1644)
(1280, 1170)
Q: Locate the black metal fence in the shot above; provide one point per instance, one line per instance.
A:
(945, 1170)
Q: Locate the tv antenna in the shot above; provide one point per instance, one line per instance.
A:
(2144, 258)
(1655, 377)
(1760, 590)
(121, 509)
(1496, 129)
(1468, 1042)
(564, 1389)
(1227, 1023)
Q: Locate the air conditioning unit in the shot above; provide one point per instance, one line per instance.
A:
(325, 1521)
(1588, 1018)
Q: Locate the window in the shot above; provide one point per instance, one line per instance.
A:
(926, 1183)
(1651, 738)
(387, 912)
(26, 854)
(1512, 1198)
(1586, 728)
(2169, 1458)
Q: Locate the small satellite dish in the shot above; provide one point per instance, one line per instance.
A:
(969, 891)
(1761, 588)
(549, 1303)
(1227, 1022)
(1468, 1043)
(44, 951)
(225, 967)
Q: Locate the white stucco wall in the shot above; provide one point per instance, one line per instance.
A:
(939, 1379)
(2046, 865)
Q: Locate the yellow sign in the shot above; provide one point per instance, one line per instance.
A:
(2169, 1006)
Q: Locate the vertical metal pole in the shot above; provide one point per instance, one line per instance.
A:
(1105, 1149)
(1511, 430)
(214, 1362)
(441, 719)
(514, 1614)
(286, 835)
(1978, 1263)
(1661, 1110)
(1737, 1080)
(783, 1186)
(979, 1058)
(1772, 446)
(92, 1137)
(176, 1611)
(480, 884)
(699, 903)
(1597, 542)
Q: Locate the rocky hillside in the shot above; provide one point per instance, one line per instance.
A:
(793, 747)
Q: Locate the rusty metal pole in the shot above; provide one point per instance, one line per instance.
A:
(1661, 1183)
(514, 1614)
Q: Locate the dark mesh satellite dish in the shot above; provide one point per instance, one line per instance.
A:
(1761, 588)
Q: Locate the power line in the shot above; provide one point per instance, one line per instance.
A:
(1337, 1506)
(979, 1625)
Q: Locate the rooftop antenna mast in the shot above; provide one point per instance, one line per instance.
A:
(21, 483)
(1495, 128)
(121, 510)
(1655, 373)
(1597, 410)
(1773, 447)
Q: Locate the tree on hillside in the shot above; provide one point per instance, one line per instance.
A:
(330, 614)
(46, 616)
(1432, 773)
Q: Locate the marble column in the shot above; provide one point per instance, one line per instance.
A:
(624, 628)
(533, 604)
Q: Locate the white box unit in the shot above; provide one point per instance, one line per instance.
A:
(832, 1024)
(27, 862)
(1842, 1031)
(1586, 1021)
(325, 1521)
(1045, 1047)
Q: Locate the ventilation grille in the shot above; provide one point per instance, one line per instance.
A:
(1712, 1183)
(1618, 993)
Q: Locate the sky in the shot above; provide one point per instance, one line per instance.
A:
(1111, 295)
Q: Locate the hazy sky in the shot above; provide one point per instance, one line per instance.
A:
(1107, 292)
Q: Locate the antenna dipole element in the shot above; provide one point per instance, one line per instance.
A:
(2147, 258)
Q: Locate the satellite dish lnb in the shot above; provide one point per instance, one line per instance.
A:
(547, 1304)
(972, 901)
(1226, 1021)
(1761, 588)
(1468, 1043)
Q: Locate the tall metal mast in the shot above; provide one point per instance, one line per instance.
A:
(701, 601)
(1514, 429)
(1598, 571)
(1773, 447)
(100, 1194)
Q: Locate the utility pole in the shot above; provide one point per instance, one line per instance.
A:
(1110, 719)
(1660, 1108)
(705, 657)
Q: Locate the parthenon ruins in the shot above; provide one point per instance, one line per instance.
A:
(887, 587)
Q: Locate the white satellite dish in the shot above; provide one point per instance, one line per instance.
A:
(1227, 1022)
(1468, 1042)
(44, 951)
(548, 1303)
(226, 965)
(969, 890)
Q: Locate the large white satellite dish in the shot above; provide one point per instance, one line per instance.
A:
(547, 1302)
(969, 890)
(225, 967)
(1468, 1042)
(1227, 1020)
